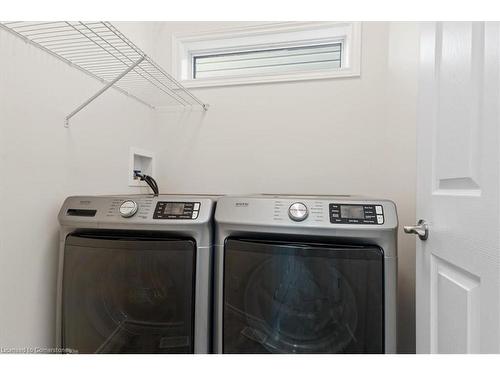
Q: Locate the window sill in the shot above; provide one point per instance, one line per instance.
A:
(293, 77)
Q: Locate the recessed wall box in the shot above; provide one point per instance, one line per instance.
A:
(142, 161)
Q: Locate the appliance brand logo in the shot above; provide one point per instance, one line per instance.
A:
(85, 202)
(241, 204)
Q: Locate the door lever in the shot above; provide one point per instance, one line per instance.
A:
(421, 229)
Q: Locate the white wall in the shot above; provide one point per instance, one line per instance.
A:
(340, 136)
(41, 163)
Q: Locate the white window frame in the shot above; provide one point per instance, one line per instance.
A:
(267, 36)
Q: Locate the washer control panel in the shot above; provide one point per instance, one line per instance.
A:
(177, 210)
(356, 214)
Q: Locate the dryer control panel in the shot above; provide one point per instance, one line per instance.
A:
(176, 210)
(356, 213)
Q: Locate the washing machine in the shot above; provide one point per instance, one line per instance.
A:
(305, 274)
(135, 274)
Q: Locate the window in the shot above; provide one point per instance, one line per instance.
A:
(268, 53)
(275, 61)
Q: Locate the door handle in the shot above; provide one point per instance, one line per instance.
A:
(421, 229)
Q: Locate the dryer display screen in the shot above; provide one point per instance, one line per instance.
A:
(177, 210)
(352, 212)
(356, 214)
(174, 208)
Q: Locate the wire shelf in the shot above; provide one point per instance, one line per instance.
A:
(103, 52)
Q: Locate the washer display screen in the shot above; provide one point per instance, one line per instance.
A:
(174, 208)
(352, 212)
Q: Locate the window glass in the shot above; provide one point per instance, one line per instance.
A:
(270, 61)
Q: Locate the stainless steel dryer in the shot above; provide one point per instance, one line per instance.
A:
(303, 274)
(135, 274)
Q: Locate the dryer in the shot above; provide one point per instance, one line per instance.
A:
(135, 274)
(305, 274)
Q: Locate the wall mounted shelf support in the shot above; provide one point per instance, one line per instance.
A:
(101, 51)
(108, 85)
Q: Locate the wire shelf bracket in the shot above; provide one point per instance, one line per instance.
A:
(104, 53)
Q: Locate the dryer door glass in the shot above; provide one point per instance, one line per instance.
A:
(128, 293)
(282, 297)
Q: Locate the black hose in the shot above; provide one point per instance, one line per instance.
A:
(149, 180)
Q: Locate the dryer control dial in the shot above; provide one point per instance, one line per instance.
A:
(128, 208)
(298, 211)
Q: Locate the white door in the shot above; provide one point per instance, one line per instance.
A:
(457, 267)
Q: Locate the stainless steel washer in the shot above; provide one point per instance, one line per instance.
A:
(304, 274)
(135, 274)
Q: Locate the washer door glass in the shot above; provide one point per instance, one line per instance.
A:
(302, 298)
(128, 294)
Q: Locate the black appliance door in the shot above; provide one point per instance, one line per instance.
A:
(128, 293)
(282, 297)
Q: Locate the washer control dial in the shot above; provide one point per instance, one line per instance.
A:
(298, 211)
(128, 208)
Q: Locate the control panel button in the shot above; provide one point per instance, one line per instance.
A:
(194, 215)
(378, 210)
(128, 208)
(298, 211)
(380, 219)
(196, 206)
